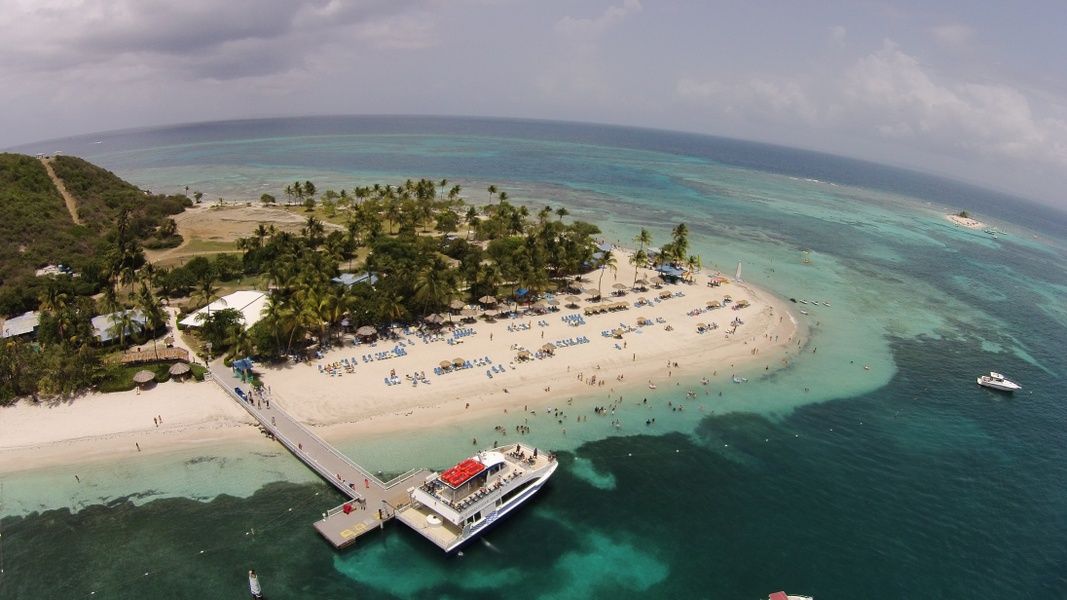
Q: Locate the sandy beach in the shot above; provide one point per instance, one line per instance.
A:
(967, 222)
(341, 401)
(103, 426)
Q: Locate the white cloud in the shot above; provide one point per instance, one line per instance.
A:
(889, 94)
(594, 27)
(837, 35)
(954, 35)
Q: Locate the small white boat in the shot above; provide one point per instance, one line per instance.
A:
(826, 303)
(253, 585)
(785, 596)
(997, 381)
(802, 301)
(803, 312)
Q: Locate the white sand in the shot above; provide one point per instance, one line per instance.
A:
(967, 222)
(99, 426)
(361, 402)
(95, 427)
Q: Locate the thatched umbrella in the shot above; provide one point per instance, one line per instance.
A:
(524, 354)
(459, 362)
(642, 281)
(487, 300)
(553, 302)
(489, 314)
(665, 294)
(366, 331)
(702, 325)
(540, 304)
(572, 299)
(591, 291)
(618, 331)
(620, 286)
(456, 305)
(432, 319)
(445, 364)
(168, 340)
(714, 304)
(178, 369)
(143, 376)
(550, 348)
(469, 312)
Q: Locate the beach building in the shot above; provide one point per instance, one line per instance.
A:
(24, 324)
(351, 279)
(250, 303)
(104, 326)
(55, 270)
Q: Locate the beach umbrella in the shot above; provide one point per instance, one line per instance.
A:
(524, 354)
(642, 281)
(366, 331)
(469, 312)
(553, 302)
(456, 305)
(548, 348)
(168, 340)
(143, 376)
(618, 331)
(179, 368)
(540, 304)
(446, 364)
(489, 313)
(458, 362)
(619, 286)
(432, 319)
(665, 294)
(593, 291)
(487, 300)
(572, 299)
(701, 325)
(714, 303)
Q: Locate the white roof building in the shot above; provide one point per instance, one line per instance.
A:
(20, 325)
(250, 303)
(104, 325)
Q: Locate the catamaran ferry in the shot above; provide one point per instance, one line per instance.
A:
(452, 508)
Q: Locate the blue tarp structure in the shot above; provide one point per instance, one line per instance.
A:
(521, 292)
(244, 364)
(670, 271)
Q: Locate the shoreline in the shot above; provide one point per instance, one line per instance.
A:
(102, 427)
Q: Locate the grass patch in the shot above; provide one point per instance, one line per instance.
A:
(120, 377)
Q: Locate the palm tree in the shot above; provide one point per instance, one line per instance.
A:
(435, 286)
(154, 316)
(471, 217)
(492, 192)
(680, 242)
(503, 197)
(205, 289)
(639, 259)
(562, 212)
(644, 238)
(121, 323)
(608, 262)
(693, 263)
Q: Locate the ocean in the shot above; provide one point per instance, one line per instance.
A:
(905, 480)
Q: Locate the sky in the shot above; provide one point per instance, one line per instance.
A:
(976, 91)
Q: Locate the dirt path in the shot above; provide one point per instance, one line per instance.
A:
(72, 206)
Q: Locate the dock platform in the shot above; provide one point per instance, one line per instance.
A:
(371, 502)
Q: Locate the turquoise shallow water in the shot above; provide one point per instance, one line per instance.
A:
(904, 481)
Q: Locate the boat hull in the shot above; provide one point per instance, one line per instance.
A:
(1000, 387)
(487, 524)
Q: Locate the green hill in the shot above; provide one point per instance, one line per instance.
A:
(37, 228)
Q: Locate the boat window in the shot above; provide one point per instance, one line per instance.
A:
(515, 492)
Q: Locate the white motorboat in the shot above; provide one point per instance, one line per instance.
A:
(997, 381)
(785, 596)
(452, 508)
(253, 585)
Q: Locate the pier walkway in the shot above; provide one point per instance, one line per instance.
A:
(372, 501)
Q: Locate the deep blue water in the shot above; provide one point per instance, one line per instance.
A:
(924, 487)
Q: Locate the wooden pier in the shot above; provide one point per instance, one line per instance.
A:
(371, 503)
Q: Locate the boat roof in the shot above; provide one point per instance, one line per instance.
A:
(779, 596)
(462, 473)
